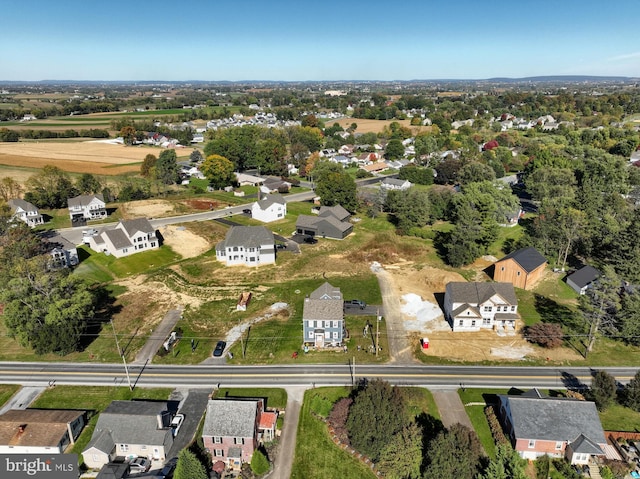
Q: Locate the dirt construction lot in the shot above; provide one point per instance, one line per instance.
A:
(429, 284)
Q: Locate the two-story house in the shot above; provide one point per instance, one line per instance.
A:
(39, 431)
(231, 429)
(247, 246)
(323, 317)
(127, 238)
(476, 306)
(270, 208)
(87, 207)
(26, 212)
(540, 425)
(130, 429)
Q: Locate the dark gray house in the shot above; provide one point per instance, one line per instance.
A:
(331, 222)
(323, 317)
(582, 279)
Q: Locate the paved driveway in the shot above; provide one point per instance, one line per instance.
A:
(193, 407)
(287, 445)
(159, 336)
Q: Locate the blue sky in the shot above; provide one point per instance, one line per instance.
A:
(329, 40)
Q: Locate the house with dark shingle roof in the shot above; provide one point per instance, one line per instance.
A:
(323, 317)
(582, 279)
(131, 429)
(39, 431)
(522, 268)
(26, 212)
(559, 427)
(87, 207)
(331, 222)
(247, 246)
(476, 306)
(231, 429)
(127, 238)
(270, 208)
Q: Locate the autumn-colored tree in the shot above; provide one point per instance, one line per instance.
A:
(148, 164)
(547, 335)
(218, 170)
(10, 188)
(128, 134)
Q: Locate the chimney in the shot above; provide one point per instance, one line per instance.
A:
(21, 428)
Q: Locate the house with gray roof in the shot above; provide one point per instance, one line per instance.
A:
(87, 207)
(26, 212)
(582, 279)
(559, 427)
(131, 429)
(64, 254)
(323, 317)
(269, 208)
(476, 306)
(231, 429)
(331, 222)
(395, 184)
(523, 268)
(247, 246)
(127, 238)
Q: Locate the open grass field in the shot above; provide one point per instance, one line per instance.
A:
(6, 391)
(275, 398)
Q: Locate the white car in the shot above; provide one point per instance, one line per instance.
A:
(176, 422)
(139, 465)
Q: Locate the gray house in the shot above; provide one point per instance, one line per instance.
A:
(331, 222)
(131, 429)
(582, 279)
(323, 317)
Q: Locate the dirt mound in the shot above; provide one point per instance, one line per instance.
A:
(203, 204)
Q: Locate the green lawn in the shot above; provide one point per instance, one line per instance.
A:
(6, 391)
(316, 456)
(620, 418)
(93, 399)
(470, 398)
(275, 398)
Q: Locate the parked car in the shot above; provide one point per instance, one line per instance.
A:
(176, 422)
(310, 240)
(281, 246)
(357, 302)
(167, 470)
(139, 465)
(219, 349)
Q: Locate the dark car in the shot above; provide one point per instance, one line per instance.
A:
(310, 240)
(358, 303)
(219, 349)
(281, 246)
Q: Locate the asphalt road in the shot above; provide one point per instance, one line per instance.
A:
(204, 376)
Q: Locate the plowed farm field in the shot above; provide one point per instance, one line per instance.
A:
(77, 157)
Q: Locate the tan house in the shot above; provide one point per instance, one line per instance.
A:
(39, 431)
(522, 268)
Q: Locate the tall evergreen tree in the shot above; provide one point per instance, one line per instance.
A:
(189, 467)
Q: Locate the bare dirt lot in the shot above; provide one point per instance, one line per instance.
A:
(147, 208)
(184, 242)
(429, 283)
(375, 126)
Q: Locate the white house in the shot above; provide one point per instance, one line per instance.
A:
(475, 306)
(127, 238)
(247, 246)
(26, 212)
(87, 207)
(395, 184)
(271, 208)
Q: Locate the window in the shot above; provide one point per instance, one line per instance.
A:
(124, 447)
(217, 440)
(461, 323)
(238, 440)
(335, 324)
(502, 268)
(473, 322)
(513, 308)
(310, 334)
(488, 308)
(335, 335)
(486, 321)
(532, 443)
(217, 452)
(518, 274)
(558, 445)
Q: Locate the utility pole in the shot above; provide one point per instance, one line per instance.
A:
(378, 332)
(121, 353)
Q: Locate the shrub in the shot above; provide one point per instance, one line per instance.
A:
(547, 335)
(259, 463)
(495, 426)
(338, 418)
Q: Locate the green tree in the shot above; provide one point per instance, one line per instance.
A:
(88, 184)
(335, 186)
(259, 463)
(603, 389)
(195, 156)
(416, 174)
(189, 467)
(394, 150)
(599, 306)
(631, 393)
(402, 456)
(545, 183)
(50, 188)
(47, 309)
(270, 156)
(475, 172)
(147, 169)
(506, 465)
(629, 317)
(453, 454)
(218, 170)
(167, 167)
(377, 413)
(410, 208)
